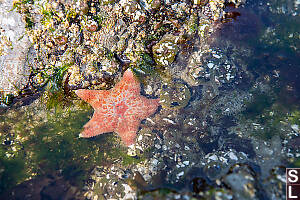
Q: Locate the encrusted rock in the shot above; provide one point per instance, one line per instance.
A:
(165, 51)
(14, 45)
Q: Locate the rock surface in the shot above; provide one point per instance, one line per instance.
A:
(14, 45)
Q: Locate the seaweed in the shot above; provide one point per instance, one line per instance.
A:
(146, 65)
(294, 117)
(49, 146)
(261, 102)
(11, 172)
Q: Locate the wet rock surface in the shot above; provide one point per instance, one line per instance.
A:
(47, 187)
(14, 47)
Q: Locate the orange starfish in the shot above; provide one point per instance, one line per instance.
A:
(120, 109)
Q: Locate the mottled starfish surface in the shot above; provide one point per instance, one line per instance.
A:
(119, 109)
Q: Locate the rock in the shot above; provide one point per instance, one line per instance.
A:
(242, 182)
(27, 190)
(174, 95)
(14, 45)
(44, 187)
(165, 51)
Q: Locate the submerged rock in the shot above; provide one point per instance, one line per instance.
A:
(44, 187)
(242, 182)
(174, 95)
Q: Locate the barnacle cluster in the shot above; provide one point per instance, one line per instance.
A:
(213, 65)
(87, 41)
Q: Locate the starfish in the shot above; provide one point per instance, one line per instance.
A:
(120, 109)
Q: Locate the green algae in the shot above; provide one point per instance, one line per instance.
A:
(6, 99)
(126, 159)
(46, 146)
(272, 116)
(107, 2)
(49, 143)
(284, 36)
(147, 65)
(56, 78)
(294, 117)
(11, 172)
(47, 15)
(160, 193)
(272, 121)
(269, 115)
(295, 164)
(192, 24)
(58, 147)
(55, 100)
(23, 7)
(258, 105)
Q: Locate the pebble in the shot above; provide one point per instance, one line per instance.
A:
(213, 157)
(140, 138)
(164, 147)
(168, 120)
(210, 65)
(186, 162)
(187, 148)
(155, 162)
(232, 156)
(180, 174)
(217, 56)
(295, 127)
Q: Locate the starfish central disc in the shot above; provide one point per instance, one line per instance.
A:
(121, 108)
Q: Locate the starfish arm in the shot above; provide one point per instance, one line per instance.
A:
(127, 129)
(99, 124)
(145, 107)
(94, 97)
(128, 83)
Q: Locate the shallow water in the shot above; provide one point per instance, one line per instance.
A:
(242, 133)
